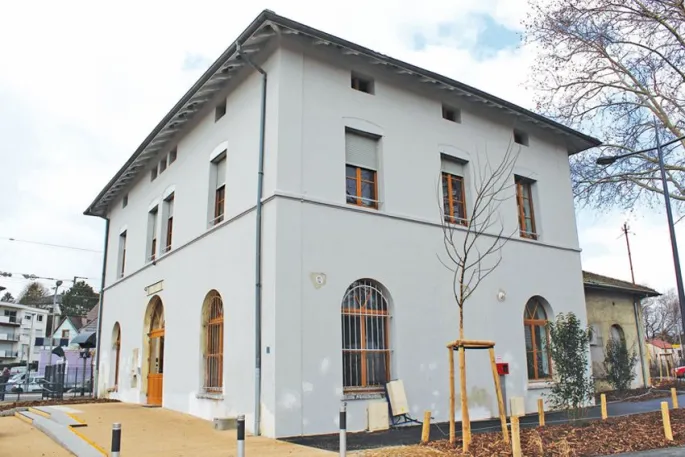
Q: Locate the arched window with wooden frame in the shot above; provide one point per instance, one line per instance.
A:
(213, 350)
(365, 337)
(538, 354)
(116, 349)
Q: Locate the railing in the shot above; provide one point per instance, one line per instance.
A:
(9, 320)
(8, 337)
(8, 354)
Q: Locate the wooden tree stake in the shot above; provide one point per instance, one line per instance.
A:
(425, 433)
(515, 437)
(667, 421)
(453, 432)
(541, 412)
(674, 398)
(500, 400)
(465, 421)
(604, 406)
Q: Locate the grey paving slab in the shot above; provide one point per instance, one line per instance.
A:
(61, 417)
(668, 452)
(62, 436)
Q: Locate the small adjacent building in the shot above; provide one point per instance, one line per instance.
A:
(614, 311)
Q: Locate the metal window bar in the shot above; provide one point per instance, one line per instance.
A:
(214, 349)
(366, 349)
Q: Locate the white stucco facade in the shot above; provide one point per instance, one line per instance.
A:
(309, 231)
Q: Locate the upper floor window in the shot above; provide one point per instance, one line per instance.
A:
(162, 165)
(65, 333)
(362, 83)
(152, 235)
(617, 334)
(538, 353)
(361, 165)
(218, 189)
(453, 191)
(524, 201)
(365, 336)
(40, 318)
(124, 201)
(122, 254)
(172, 155)
(520, 137)
(153, 173)
(451, 114)
(220, 110)
(169, 217)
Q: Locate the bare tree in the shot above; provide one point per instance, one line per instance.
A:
(614, 66)
(473, 245)
(661, 316)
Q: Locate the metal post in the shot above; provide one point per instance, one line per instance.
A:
(116, 440)
(671, 229)
(343, 429)
(52, 320)
(241, 435)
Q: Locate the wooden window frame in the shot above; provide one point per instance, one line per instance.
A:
(363, 312)
(117, 347)
(358, 197)
(219, 200)
(169, 224)
(533, 323)
(449, 216)
(214, 332)
(522, 183)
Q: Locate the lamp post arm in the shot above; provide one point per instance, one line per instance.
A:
(630, 154)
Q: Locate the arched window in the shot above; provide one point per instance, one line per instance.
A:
(116, 347)
(537, 340)
(213, 352)
(617, 333)
(365, 336)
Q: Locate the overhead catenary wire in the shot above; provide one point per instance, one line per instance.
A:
(53, 245)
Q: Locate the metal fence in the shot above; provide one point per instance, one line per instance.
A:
(59, 382)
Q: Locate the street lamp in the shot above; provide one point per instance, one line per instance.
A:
(52, 320)
(608, 160)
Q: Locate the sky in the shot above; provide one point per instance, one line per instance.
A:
(82, 84)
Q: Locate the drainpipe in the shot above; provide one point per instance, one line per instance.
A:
(639, 339)
(102, 297)
(258, 251)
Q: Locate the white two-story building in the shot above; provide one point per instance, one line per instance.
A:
(19, 327)
(272, 245)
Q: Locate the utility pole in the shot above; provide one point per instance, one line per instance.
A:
(625, 229)
(636, 305)
(52, 320)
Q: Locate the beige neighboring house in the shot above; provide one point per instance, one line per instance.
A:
(662, 357)
(614, 311)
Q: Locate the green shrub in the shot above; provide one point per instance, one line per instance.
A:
(619, 364)
(573, 387)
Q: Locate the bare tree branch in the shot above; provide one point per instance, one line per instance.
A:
(473, 251)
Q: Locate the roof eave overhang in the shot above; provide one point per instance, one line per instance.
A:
(636, 292)
(268, 24)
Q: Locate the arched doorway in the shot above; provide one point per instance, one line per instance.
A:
(155, 377)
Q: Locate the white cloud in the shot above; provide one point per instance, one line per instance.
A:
(82, 83)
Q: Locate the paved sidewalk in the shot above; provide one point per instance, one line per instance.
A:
(669, 452)
(18, 438)
(157, 432)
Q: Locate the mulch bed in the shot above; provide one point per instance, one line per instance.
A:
(634, 395)
(69, 401)
(639, 432)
